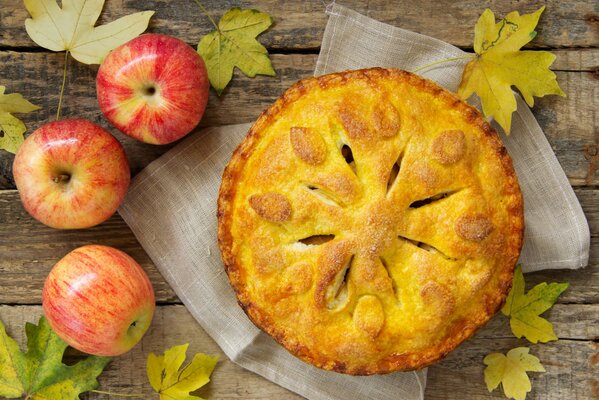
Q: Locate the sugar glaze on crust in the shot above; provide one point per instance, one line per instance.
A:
(370, 221)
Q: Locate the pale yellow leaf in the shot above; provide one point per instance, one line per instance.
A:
(171, 381)
(12, 128)
(72, 28)
(510, 372)
(154, 370)
(499, 65)
(234, 44)
(524, 309)
(11, 132)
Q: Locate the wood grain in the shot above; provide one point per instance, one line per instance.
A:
(127, 373)
(570, 369)
(299, 25)
(569, 123)
(30, 249)
(571, 373)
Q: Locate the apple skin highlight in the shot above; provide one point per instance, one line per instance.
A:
(71, 174)
(99, 300)
(153, 88)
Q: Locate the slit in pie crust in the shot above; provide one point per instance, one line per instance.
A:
(370, 221)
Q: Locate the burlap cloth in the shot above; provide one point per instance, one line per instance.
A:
(171, 208)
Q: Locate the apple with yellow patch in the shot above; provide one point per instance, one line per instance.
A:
(153, 88)
(71, 174)
(99, 300)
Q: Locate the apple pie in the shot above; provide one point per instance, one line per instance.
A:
(370, 221)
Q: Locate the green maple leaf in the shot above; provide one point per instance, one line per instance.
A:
(510, 372)
(233, 44)
(11, 127)
(524, 309)
(172, 383)
(39, 374)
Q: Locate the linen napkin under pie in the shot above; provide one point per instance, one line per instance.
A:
(171, 208)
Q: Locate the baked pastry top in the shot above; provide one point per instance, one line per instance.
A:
(370, 221)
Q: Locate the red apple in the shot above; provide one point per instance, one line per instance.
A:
(99, 300)
(71, 174)
(154, 88)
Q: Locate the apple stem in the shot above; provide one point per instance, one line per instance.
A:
(117, 394)
(442, 62)
(64, 80)
(206, 14)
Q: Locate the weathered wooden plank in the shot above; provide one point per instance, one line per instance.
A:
(569, 123)
(300, 25)
(29, 249)
(570, 321)
(172, 325)
(570, 369)
(576, 60)
(36, 76)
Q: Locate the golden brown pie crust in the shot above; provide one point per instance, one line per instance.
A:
(370, 221)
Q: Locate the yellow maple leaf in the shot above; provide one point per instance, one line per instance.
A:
(233, 44)
(524, 309)
(173, 383)
(71, 28)
(12, 128)
(510, 372)
(499, 64)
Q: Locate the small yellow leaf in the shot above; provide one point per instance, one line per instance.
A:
(154, 369)
(72, 28)
(524, 309)
(171, 381)
(499, 64)
(12, 128)
(234, 44)
(510, 371)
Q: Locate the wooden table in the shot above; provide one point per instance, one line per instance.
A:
(28, 250)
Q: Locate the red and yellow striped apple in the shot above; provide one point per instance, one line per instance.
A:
(71, 174)
(98, 300)
(154, 88)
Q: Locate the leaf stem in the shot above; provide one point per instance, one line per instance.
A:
(64, 80)
(117, 394)
(443, 61)
(206, 14)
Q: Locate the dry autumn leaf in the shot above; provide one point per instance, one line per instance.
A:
(39, 374)
(233, 44)
(499, 64)
(12, 128)
(510, 372)
(524, 309)
(71, 28)
(173, 383)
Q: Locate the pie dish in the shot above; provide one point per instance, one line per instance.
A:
(370, 221)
